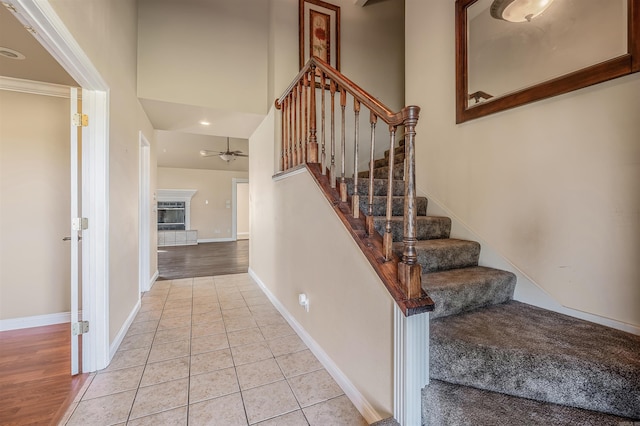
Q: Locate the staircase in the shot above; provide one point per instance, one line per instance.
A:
(495, 361)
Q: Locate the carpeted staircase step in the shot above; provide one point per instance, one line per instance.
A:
(383, 173)
(379, 186)
(396, 150)
(397, 205)
(444, 254)
(449, 404)
(529, 352)
(398, 160)
(461, 290)
(427, 227)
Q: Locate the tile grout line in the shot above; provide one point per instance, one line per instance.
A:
(190, 355)
(224, 323)
(146, 363)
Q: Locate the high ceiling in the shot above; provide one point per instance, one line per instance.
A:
(180, 136)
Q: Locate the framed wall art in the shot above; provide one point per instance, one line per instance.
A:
(319, 32)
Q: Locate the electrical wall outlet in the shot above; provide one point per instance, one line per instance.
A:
(303, 300)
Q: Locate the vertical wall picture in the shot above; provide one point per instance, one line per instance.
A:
(319, 28)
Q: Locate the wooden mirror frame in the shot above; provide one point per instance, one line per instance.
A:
(613, 68)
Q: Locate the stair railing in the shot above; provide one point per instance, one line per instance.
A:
(299, 145)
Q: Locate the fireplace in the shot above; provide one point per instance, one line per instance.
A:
(174, 214)
(171, 216)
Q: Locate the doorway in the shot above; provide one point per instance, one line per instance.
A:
(65, 50)
(241, 225)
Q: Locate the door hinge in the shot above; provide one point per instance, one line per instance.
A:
(80, 120)
(80, 327)
(79, 223)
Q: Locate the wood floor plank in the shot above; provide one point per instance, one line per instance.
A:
(36, 385)
(203, 260)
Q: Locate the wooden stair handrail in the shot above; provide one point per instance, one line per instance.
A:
(299, 146)
(374, 105)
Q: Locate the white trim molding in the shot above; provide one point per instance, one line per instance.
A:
(36, 321)
(153, 279)
(234, 207)
(54, 36)
(123, 330)
(410, 365)
(144, 212)
(359, 401)
(34, 87)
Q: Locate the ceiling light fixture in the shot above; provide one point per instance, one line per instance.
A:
(518, 10)
(227, 157)
(205, 123)
(11, 54)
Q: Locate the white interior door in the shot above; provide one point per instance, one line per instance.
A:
(76, 233)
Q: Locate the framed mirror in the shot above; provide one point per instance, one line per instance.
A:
(508, 54)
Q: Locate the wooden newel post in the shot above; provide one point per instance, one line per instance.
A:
(312, 154)
(409, 270)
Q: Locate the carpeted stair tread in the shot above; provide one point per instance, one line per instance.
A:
(462, 290)
(383, 172)
(397, 205)
(444, 254)
(449, 404)
(398, 159)
(525, 351)
(427, 227)
(380, 186)
(397, 150)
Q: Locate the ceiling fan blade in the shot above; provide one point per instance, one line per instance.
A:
(207, 153)
(241, 155)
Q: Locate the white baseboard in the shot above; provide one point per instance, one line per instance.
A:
(36, 321)
(123, 331)
(608, 322)
(358, 400)
(153, 279)
(242, 236)
(214, 240)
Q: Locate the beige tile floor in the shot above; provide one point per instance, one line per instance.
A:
(212, 351)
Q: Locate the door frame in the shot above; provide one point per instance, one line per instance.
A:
(144, 211)
(54, 36)
(234, 206)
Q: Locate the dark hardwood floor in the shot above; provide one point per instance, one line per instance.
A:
(202, 260)
(36, 385)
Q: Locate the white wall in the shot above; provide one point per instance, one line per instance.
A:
(34, 205)
(292, 224)
(208, 53)
(211, 215)
(294, 235)
(552, 186)
(107, 32)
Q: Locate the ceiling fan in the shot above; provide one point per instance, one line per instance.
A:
(227, 155)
